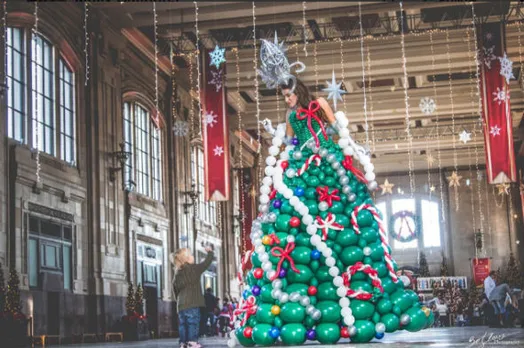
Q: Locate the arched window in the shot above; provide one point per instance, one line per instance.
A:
(428, 213)
(206, 210)
(142, 138)
(42, 105)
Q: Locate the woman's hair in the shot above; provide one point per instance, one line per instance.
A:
(303, 95)
(179, 257)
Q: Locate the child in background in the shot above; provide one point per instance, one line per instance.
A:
(225, 316)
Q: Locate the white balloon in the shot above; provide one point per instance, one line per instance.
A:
(280, 133)
(307, 219)
(330, 261)
(260, 249)
(289, 148)
(231, 343)
(343, 142)
(380, 327)
(269, 170)
(271, 274)
(365, 160)
(263, 257)
(321, 246)
(349, 320)
(333, 271)
(348, 151)
(290, 238)
(338, 281)
(288, 194)
(367, 251)
(271, 160)
(265, 189)
(344, 132)
(369, 167)
(276, 293)
(267, 181)
(264, 199)
(303, 210)
(266, 266)
(370, 176)
(279, 185)
(327, 253)
(341, 291)
(345, 311)
(257, 242)
(344, 301)
(312, 229)
(276, 141)
(277, 284)
(315, 240)
(284, 156)
(294, 201)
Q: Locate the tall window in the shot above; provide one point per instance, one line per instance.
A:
(143, 139)
(427, 211)
(50, 88)
(206, 210)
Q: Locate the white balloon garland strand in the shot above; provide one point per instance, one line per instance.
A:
(35, 106)
(274, 175)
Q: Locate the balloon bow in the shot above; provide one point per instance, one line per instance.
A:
(309, 113)
(249, 307)
(283, 254)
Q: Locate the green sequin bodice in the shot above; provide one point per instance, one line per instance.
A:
(302, 132)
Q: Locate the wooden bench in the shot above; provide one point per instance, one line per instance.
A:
(89, 335)
(109, 335)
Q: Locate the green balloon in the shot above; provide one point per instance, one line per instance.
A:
(388, 285)
(286, 208)
(329, 181)
(376, 317)
(431, 319)
(384, 306)
(313, 300)
(361, 309)
(314, 170)
(246, 342)
(252, 321)
(327, 291)
(381, 269)
(255, 261)
(351, 255)
(330, 311)
(362, 243)
(264, 314)
(311, 193)
(396, 310)
(304, 275)
(302, 239)
(418, 319)
(313, 282)
(261, 335)
(359, 276)
(265, 227)
(278, 322)
(312, 205)
(377, 252)
(322, 274)
(343, 220)
(314, 265)
(265, 293)
(346, 238)
(401, 299)
(313, 181)
(413, 296)
(282, 223)
(365, 331)
(292, 312)
(297, 287)
(309, 322)
(337, 249)
(293, 334)
(364, 218)
(369, 234)
(391, 321)
(293, 231)
(361, 285)
(368, 260)
(301, 255)
(328, 333)
(250, 278)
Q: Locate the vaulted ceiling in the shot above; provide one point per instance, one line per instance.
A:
(229, 24)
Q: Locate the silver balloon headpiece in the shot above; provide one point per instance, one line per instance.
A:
(275, 68)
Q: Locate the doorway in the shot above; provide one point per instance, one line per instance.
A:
(151, 300)
(53, 313)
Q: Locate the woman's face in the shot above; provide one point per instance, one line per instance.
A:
(290, 97)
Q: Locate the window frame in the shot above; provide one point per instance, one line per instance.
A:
(206, 209)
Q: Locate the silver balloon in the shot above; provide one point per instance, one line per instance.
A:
(290, 173)
(266, 266)
(341, 171)
(310, 309)
(271, 274)
(380, 328)
(284, 298)
(263, 208)
(260, 249)
(277, 284)
(335, 165)
(346, 189)
(304, 301)
(323, 206)
(352, 331)
(272, 217)
(231, 343)
(372, 186)
(297, 155)
(276, 293)
(316, 314)
(310, 144)
(315, 149)
(331, 158)
(263, 257)
(323, 152)
(290, 238)
(256, 224)
(294, 297)
(352, 197)
(405, 319)
(343, 180)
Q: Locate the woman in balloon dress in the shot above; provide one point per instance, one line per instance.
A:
(322, 267)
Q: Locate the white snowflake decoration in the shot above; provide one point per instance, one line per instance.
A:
(489, 36)
(495, 130)
(506, 67)
(217, 56)
(218, 150)
(465, 136)
(487, 56)
(210, 119)
(427, 105)
(217, 79)
(180, 128)
(334, 90)
(501, 95)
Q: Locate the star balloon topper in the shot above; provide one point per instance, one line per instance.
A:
(275, 68)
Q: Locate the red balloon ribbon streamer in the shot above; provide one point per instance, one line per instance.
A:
(309, 113)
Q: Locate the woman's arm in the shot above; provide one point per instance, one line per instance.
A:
(330, 117)
(201, 267)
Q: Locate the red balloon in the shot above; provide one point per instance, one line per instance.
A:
(248, 332)
(284, 165)
(312, 290)
(344, 332)
(258, 273)
(294, 221)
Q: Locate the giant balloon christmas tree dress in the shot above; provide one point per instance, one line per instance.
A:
(322, 267)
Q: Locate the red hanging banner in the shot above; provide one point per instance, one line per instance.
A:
(481, 269)
(495, 74)
(215, 130)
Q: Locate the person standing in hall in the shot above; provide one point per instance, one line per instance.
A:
(188, 293)
(489, 285)
(211, 305)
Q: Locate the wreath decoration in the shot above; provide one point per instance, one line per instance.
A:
(408, 221)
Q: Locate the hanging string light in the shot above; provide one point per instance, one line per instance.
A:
(406, 102)
(315, 62)
(304, 26)
(199, 74)
(342, 71)
(257, 96)
(4, 38)
(437, 135)
(191, 93)
(155, 24)
(86, 41)
(35, 104)
(519, 45)
(366, 126)
(370, 89)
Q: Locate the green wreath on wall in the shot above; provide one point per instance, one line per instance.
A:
(408, 222)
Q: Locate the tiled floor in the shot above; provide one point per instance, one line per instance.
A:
(476, 336)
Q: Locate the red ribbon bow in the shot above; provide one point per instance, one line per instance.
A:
(284, 255)
(249, 307)
(328, 223)
(348, 164)
(325, 195)
(309, 113)
(273, 239)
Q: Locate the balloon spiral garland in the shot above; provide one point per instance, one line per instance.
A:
(277, 286)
